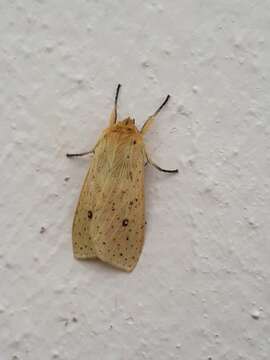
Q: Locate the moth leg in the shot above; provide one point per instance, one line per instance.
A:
(80, 154)
(149, 161)
(113, 117)
(151, 118)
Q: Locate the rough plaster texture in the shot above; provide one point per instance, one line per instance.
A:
(201, 289)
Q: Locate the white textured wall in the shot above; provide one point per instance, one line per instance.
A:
(201, 289)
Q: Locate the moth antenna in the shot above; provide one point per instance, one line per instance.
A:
(116, 100)
(151, 118)
(162, 105)
(113, 117)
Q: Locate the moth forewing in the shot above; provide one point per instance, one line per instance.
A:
(113, 194)
(83, 247)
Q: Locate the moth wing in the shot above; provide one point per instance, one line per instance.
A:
(86, 221)
(109, 219)
(83, 247)
(120, 214)
(121, 241)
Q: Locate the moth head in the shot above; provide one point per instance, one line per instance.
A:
(128, 124)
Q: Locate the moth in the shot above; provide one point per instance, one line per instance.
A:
(109, 219)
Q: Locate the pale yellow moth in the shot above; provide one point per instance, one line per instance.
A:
(109, 220)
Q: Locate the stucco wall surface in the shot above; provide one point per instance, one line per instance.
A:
(201, 290)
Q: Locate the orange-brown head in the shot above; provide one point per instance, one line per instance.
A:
(126, 126)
